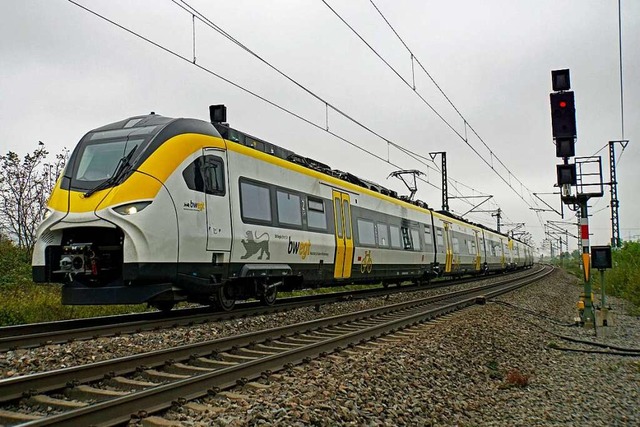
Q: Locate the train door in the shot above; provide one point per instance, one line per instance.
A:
(344, 235)
(217, 200)
(502, 253)
(477, 249)
(448, 244)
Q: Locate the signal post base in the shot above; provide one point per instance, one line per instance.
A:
(604, 317)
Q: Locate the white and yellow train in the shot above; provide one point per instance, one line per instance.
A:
(159, 210)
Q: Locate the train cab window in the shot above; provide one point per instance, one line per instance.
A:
(289, 212)
(255, 202)
(406, 239)
(213, 175)
(366, 233)
(383, 235)
(415, 238)
(316, 216)
(206, 175)
(396, 242)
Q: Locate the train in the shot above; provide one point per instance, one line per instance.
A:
(159, 210)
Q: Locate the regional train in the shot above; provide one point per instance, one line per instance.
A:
(158, 210)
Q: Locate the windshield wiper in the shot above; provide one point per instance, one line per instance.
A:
(122, 166)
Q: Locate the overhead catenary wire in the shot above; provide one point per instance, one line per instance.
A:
(240, 87)
(236, 85)
(194, 14)
(183, 4)
(191, 10)
(463, 138)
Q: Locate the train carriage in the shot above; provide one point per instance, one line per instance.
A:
(159, 210)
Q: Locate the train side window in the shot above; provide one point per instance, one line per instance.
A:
(472, 247)
(428, 238)
(383, 235)
(406, 239)
(396, 242)
(440, 239)
(316, 216)
(456, 245)
(366, 232)
(415, 238)
(255, 202)
(214, 175)
(289, 212)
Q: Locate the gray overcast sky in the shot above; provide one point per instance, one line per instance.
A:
(64, 72)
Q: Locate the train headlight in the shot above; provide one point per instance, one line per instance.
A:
(131, 208)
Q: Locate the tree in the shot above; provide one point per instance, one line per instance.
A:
(25, 186)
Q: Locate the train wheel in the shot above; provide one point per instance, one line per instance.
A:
(269, 296)
(223, 299)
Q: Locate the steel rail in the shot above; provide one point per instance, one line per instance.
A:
(14, 388)
(34, 335)
(120, 409)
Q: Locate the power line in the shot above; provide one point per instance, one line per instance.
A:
(238, 86)
(183, 4)
(463, 138)
(202, 18)
(256, 95)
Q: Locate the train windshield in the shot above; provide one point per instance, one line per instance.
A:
(101, 154)
(100, 161)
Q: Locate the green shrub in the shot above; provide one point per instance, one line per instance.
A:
(26, 302)
(623, 280)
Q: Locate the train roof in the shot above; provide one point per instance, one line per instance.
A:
(169, 127)
(242, 138)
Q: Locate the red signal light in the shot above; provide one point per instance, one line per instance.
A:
(563, 104)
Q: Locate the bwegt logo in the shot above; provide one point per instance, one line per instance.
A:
(300, 248)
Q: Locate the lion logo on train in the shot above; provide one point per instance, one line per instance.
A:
(254, 244)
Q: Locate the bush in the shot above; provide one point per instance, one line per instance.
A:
(26, 302)
(15, 264)
(623, 280)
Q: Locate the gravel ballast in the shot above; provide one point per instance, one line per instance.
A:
(495, 364)
(487, 365)
(56, 356)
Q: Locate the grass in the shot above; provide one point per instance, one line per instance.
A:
(623, 280)
(33, 303)
(326, 290)
(26, 302)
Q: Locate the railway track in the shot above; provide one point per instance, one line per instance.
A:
(109, 392)
(38, 334)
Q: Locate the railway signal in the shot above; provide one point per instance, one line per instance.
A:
(563, 114)
(583, 173)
